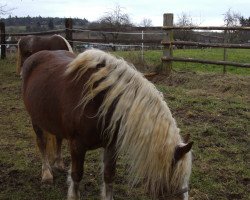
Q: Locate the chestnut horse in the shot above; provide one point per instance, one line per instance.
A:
(95, 100)
(31, 44)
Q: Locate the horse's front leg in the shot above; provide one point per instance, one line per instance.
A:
(47, 176)
(109, 165)
(75, 176)
(58, 163)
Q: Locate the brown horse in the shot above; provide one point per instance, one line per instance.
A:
(95, 100)
(31, 44)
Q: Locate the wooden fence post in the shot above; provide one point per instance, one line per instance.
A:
(68, 30)
(167, 49)
(225, 40)
(2, 40)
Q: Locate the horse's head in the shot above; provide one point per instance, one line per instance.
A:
(179, 174)
(25, 50)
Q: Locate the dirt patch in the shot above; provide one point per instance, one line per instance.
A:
(210, 83)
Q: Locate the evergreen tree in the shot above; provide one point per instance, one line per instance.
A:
(51, 24)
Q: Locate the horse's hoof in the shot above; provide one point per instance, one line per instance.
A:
(76, 197)
(73, 198)
(47, 181)
(59, 165)
(47, 177)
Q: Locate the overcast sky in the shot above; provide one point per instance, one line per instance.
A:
(209, 12)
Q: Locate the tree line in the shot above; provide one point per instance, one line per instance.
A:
(25, 21)
(40, 23)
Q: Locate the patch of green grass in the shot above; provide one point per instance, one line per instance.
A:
(152, 59)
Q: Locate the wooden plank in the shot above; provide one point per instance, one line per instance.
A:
(126, 29)
(2, 40)
(119, 41)
(38, 33)
(193, 60)
(168, 37)
(215, 45)
(225, 51)
(68, 30)
(205, 28)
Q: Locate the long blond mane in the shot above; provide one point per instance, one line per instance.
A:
(148, 133)
(67, 43)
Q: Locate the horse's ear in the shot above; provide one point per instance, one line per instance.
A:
(180, 151)
(100, 65)
(186, 138)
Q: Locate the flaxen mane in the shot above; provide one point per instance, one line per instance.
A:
(148, 133)
(67, 43)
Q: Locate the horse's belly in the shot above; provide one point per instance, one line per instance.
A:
(44, 109)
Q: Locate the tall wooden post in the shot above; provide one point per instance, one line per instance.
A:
(225, 51)
(168, 49)
(68, 30)
(2, 40)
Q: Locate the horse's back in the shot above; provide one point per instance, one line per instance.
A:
(58, 43)
(37, 43)
(43, 86)
(44, 60)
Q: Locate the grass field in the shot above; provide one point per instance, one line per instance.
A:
(152, 59)
(213, 108)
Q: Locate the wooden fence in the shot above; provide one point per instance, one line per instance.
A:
(68, 32)
(2, 40)
(168, 43)
(167, 40)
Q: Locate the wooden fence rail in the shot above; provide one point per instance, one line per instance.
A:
(120, 41)
(168, 43)
(200, 44)
(222, 28)
(194, 60)
(38, 33)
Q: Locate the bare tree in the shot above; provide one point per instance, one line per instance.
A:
(115, 20)
(232, 18)
(146, 22)
(184, 20)
(4, 10)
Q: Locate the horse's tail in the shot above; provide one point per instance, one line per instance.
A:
(51, 146)
(67, 43)
(18, 63)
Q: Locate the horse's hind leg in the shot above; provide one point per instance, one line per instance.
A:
(47, 176)
(58, 164)
(109, 165)
(77, 158)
